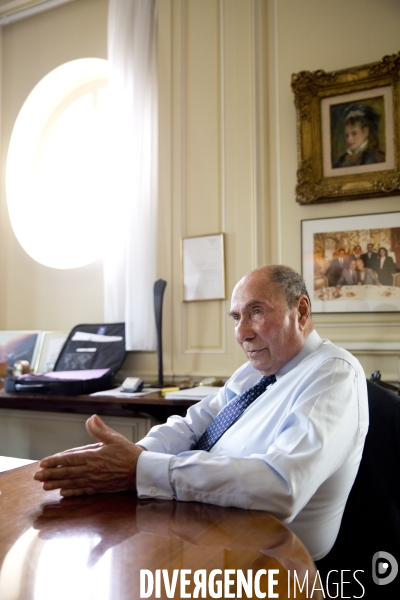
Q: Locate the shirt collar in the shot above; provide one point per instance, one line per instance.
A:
(312, 344)
(248, 376)
(359, 150)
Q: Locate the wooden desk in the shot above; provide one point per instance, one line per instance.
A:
(37, 425)
(152, 404)
(96, 546)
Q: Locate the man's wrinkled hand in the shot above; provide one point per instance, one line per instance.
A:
(108, 466)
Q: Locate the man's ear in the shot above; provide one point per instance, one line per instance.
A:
(303, 308)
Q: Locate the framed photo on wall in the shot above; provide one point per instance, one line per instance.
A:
(348, 132)
(352, 264)
(203, 267)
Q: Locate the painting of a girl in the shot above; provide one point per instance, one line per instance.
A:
(361, 136)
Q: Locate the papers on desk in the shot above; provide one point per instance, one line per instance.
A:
(82, 336)
(195, 393)
(118, 393)
(79, 374)
(7, 463)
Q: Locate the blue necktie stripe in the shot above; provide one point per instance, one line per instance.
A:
(231, 413)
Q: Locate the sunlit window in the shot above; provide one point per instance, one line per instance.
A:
(57, 167)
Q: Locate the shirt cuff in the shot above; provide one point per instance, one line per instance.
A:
(151, 444)
(152, 476)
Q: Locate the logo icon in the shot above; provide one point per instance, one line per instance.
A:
(384, 568)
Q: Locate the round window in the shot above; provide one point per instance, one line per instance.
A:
(56, 174)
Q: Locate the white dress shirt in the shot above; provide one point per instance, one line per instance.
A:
(294, 452)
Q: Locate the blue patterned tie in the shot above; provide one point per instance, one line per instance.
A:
(231, 413)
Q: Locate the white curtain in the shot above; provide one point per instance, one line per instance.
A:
(130, 267)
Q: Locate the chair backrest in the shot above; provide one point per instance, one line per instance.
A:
(396, 279)
(371, 520)
(376, 378)
(320, 281)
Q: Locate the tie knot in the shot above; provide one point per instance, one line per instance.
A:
(266, 381)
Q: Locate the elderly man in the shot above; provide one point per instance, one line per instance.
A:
(366, 276)
(285, 434)
(349, 276)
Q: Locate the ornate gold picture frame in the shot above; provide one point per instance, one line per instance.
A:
(348, 132)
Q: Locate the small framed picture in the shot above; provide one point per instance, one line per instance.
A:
(19, 345)
(348, 131)
(352, 264)
(51, 344)
(203, 267)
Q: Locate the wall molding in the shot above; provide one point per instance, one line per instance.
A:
(22, 9)
(360, 324)
(185, 132)
(389, 348)
(258, 136)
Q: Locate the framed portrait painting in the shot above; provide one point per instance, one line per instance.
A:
(352, 264)
(348, 132)
(19, 345)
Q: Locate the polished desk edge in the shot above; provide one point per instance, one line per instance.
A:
(152, 404)
(153, 398)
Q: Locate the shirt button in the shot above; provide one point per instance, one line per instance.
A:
(153, 490)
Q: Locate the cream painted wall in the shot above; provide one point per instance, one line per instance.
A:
(228, 158)
(34, 296)
(212, 165)
(310, 36)
(342, 35)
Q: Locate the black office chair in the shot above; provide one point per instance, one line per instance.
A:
(376, 378)
(371, 520)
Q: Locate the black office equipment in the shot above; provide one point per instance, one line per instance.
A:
(88, 348)
(159, 288)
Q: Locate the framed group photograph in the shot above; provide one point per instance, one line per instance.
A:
(352, 264)
(348, 132)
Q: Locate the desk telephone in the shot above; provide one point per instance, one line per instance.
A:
(132, 384)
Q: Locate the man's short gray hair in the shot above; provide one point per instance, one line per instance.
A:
(289, 282)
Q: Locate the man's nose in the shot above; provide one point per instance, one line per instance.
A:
(244, 330)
